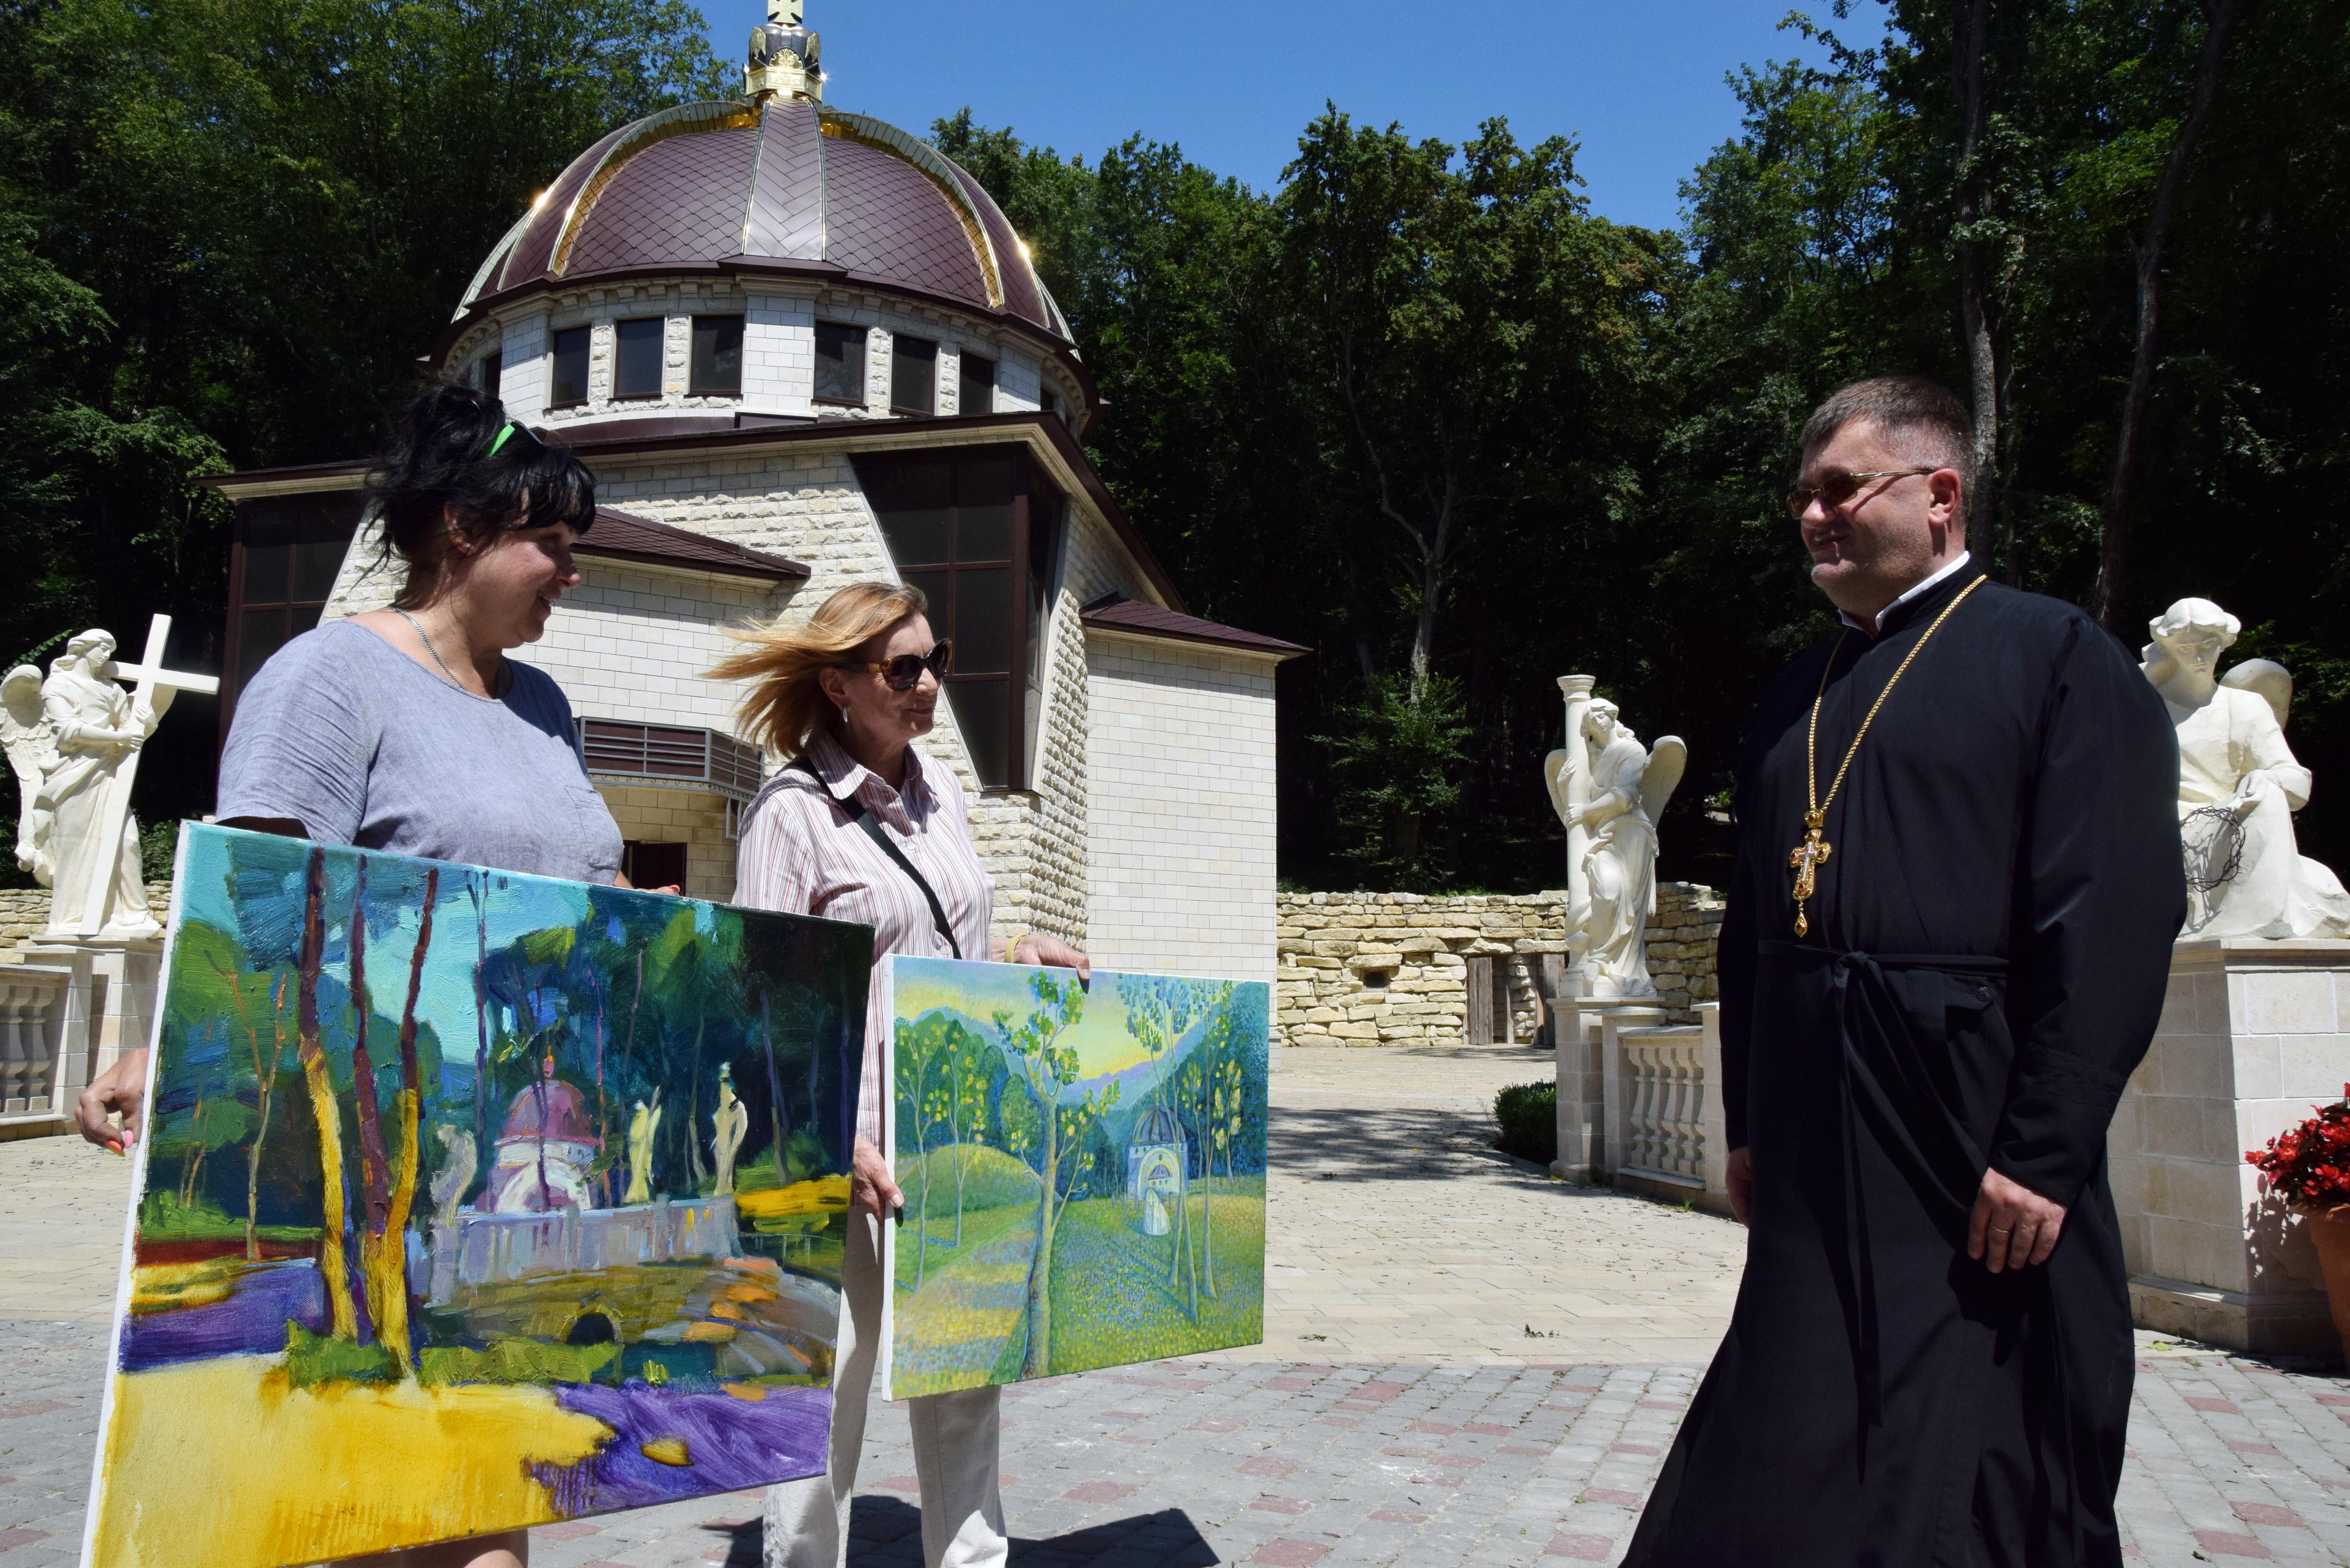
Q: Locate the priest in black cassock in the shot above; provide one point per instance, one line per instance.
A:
(1949, 926)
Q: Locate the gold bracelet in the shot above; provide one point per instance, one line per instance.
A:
(1012, 947)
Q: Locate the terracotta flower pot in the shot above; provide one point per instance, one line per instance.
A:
(2329, 1230)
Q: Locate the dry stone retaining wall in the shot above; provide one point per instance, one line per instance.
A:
(25, 911)
(1336, 948)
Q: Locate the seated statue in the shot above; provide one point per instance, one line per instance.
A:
(2239, 786)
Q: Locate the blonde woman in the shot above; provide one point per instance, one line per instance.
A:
(862, 826)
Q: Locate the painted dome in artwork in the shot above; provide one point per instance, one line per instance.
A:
(778, 183)
(551, 1109)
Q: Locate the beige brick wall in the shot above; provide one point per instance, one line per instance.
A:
(1180, 799)
(695, 818)
(1328, 941)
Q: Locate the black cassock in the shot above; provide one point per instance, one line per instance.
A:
(1988, 946)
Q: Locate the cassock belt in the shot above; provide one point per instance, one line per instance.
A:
(1858, 978)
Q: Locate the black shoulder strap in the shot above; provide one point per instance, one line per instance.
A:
(863, 816)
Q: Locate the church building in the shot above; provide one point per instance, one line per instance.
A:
(799, 347)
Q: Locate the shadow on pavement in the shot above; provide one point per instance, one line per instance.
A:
(887, 1531)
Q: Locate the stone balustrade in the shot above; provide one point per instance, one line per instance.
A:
(1394, 969)
(36, 1079)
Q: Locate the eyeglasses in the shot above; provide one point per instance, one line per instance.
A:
(903, 671)
(1838, 490)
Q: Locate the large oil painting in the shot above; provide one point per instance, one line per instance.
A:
(469, 1200)
(1082, 1167)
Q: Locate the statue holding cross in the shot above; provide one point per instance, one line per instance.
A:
(88, 841)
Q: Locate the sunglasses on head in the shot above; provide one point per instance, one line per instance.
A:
(903, 671)
(1837, 489)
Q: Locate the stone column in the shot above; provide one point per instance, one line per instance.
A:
(1578, 690)
(2254, 1036)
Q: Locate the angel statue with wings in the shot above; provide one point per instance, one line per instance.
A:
(32, 753)
(1608, 921)
(2238, 785)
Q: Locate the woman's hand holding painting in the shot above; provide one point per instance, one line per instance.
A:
(1050, 953)
(869, 1187)
(121, 1087)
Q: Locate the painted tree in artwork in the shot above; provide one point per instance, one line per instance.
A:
(918, 1060)
(971, 1071)
(318, 1079)
(1050, 1070)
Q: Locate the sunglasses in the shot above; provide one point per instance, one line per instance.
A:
(1837, 489)
(903, 671)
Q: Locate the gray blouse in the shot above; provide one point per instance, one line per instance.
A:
(362, 745)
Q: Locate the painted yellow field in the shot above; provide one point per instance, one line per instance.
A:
(223, 1463)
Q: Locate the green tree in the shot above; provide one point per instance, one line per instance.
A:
(1049, 1071)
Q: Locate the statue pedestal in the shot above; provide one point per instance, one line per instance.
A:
(101, 1002)
(2253, 1034)
(1586, 1031)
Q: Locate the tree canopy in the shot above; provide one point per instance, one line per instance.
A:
(1416, 407)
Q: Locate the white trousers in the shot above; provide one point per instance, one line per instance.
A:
(957, 1438)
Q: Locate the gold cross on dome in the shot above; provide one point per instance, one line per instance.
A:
(787, 12)
(1806, 859)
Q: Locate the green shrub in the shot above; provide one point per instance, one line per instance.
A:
(315, 1359)
(1527, 1115)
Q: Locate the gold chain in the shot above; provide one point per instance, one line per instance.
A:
(1806, 856)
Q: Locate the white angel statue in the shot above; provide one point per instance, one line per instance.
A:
(1629, 786)
(32, 748)
(2238, 785)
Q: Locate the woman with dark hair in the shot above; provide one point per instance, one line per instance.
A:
(406, 729)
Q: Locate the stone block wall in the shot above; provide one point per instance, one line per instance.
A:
(25, 911)
(1333, 944)
(1180, 769)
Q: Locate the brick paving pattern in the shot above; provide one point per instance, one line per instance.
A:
(1457, 1454)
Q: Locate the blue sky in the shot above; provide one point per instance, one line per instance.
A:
(1639, 82)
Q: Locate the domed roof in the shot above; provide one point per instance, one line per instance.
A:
(553, 1105)
(777, 184)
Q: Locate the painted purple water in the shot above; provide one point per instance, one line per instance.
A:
(731, 1443)
(251, 1321)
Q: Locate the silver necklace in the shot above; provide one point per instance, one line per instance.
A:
(430, 648)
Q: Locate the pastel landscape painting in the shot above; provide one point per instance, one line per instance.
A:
(471, 1200)
(1083, 1169)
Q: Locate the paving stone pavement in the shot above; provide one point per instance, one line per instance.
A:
(1471, 1449)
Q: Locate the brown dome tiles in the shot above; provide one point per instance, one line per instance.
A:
(1019, 293)
(888, 221)
(536, 246)
(779, 187)
(679, 200)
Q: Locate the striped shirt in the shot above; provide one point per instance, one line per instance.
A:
(802, 852)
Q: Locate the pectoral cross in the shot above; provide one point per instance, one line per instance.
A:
(1805, 858)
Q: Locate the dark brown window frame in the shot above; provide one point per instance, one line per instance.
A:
(661, 354)
(233, 630)
(897, 342)
(694, 386)
(963, 382)
(586, 370)
(1034, 565)
(864, 340)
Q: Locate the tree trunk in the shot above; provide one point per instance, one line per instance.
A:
(391, 1320)
(375, 1169)
(1037, 1361)
(2220, 17)
(319, 1080)
(1970, 21)
(774, 1093)
(480, 894)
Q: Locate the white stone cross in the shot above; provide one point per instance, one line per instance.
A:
(149, 679)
